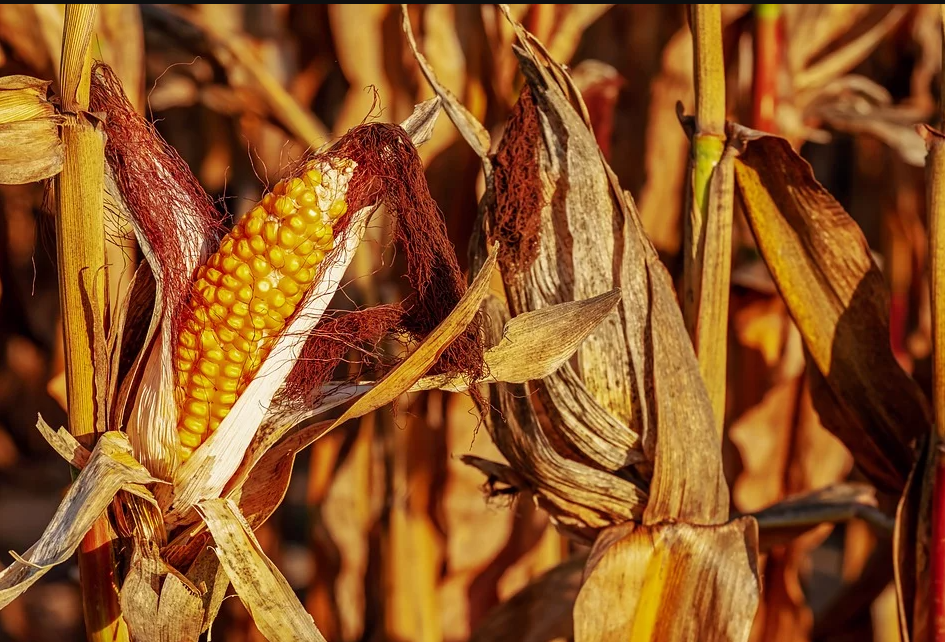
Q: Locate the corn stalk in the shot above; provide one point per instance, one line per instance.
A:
(766, 57)
(80, 245)
(708, 246)
(936, 195)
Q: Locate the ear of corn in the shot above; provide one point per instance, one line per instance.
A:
(246, 291)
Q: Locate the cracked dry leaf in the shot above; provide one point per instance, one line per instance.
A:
(836, 295)
(110, 468)
(267, 595)
(643, 583)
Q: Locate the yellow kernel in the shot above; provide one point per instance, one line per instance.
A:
(197, 408)
(285, 206)
(227, 385)
(263, 286)
(226, 297)
(287, 310)
(244, 274)
(225, 335)
(216, 356)
(232, 371)
(257, 245)
(260, 267)
(270, 232)
(214, 424)
(200, 394)
(240, 309)
(208, 368)
(337, 209)
(214, 262)
(295, 187)
(276, 298)
(254, 225)
(226, 247)
(245, 294)
(187, 354)
(273, 320)
(259, 306)
(310, 214)
(243, 345)
(243, 250)
(288, 286)
(199, 380)
(292, 264)
(200, 317)
(214, 275)
(307, 198)
(314, 258)
(250, 333)
(220, 412)
(279, 188)
(267, 200)
(187, 339)
(234, 323)
(217, 312)
(287, 238)
(225, 398)
(208, 340)
(313, 177)
(326, 243)
(276, 256)
(296, 223)
(184, 366)
(195, 425)
(189, 441)
(229, 265)
(259, 323)
(304, 276)
(230, 282)
(305, 248)
(236, 355)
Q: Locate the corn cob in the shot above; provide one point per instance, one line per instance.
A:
(248, 289)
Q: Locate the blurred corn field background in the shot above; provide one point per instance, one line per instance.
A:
(385, 532)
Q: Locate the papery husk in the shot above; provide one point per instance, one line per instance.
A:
(642, 349)
(110, 468)
(821, 263)
(30, 145)
(670, 582)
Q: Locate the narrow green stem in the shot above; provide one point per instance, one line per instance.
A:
(708, 245)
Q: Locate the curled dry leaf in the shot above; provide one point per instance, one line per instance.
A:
(157, 604)
(821, 263)
(276, 610)
(30, 147)
(110, 468)
(911, 549)
(643, 582)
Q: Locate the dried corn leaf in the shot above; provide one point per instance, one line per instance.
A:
(911, 549)
(535, 344)
(276, 610)
(541, 612)
(639, 364)
(65, 445)
(263, 488)
(837, 296)
(788, 519)
(157, 605)
(208, 575)
(580, 498)
(30, 149)
(471, 129)
(110, 468)
(645, 582)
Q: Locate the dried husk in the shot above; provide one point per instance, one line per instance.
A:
(836, 295)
